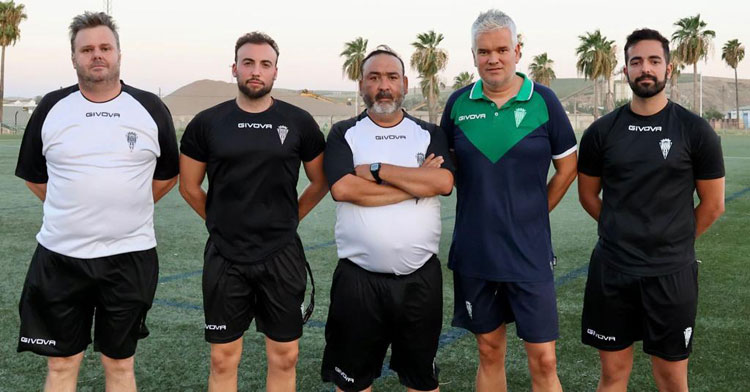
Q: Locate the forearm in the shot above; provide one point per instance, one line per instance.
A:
(196, 198)
(310, 197)
(418, 181)
(557, 187)
(39, 190)
(593, 206)
(705, 216)
(160, 188)
(365, 193)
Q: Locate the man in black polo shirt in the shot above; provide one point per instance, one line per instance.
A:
(251, 148)
(648, 158)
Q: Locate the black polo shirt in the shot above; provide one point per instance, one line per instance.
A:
(252, 162)
(648, 167)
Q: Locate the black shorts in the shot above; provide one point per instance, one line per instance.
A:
(619, 309)
(63, 295)
(370, 311)
(481, 306)
(271, 291)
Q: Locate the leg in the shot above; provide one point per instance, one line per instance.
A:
(670, 376)
(616, 367)
(491, 372)
(282, 362)
(225, 358)
(119, 374)
(62, 373)
(543, 366)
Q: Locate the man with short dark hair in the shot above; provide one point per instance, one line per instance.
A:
(385, 169)
(99, 154)
(505, 131)
(251, 149)
(647, 158)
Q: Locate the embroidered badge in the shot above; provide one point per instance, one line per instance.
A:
(283, 131)
(132, 137)
(665, 145)
(520, 113)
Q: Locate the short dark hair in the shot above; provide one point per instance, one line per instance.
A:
(258, 38)
(384, 49)
(646, 35)
(89, 20)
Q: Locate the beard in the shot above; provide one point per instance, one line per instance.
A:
(383, 107)
(87, 77)
(647, 91)
(253, 94)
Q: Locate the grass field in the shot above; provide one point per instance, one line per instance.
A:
(175, 356)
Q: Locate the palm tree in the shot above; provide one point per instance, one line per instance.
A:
(11, 16)
(462, 80)
(354, 53)
(677, 66)
(693, 43)
(428, 60)
(732, 53)
(597, 59)
(541, 70)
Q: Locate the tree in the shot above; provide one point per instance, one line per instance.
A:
(693, 44)
(354, 53)
(11, 16)
(677, 66)
(732, 53)
(462, 80)
(597, 59)
(541, 70)
(428, 60)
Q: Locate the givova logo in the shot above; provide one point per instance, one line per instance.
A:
(600, 336)
(43, 342)
(343, 375)
(477, 116)
(390, 137)
(102, 114)
(213, 327)
(244, 125)
(647, 128)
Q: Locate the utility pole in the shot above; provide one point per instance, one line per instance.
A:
(108, 7)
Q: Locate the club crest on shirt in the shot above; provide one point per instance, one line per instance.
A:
(282, 131)
(665, 145)
(131, 137)
(520, 113)
(420, 159)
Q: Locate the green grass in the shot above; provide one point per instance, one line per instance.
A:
(175, 356)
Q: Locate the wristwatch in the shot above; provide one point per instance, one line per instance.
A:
(375, 171)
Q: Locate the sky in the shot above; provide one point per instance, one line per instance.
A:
(167, 44)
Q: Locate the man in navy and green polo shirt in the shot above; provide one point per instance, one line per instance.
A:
(505, 130)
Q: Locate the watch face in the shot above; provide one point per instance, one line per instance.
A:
(374, 166)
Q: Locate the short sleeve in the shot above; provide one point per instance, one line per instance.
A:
(168, 163)
(313, 141)
(708, 160)
(589, 155)
(32, 165)
(338, 160)
(446, 122)
(561, 136)
(439, 147)
(194, 142)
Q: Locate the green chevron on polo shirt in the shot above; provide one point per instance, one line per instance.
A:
(494, 131)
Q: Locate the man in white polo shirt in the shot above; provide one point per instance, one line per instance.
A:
(386, 170)
(99, 154)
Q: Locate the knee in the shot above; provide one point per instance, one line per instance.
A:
(225, 361)
(118, 366)
(544, 364)
(62, 365)
(490, 351)
(283, 359)
(613, 372)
